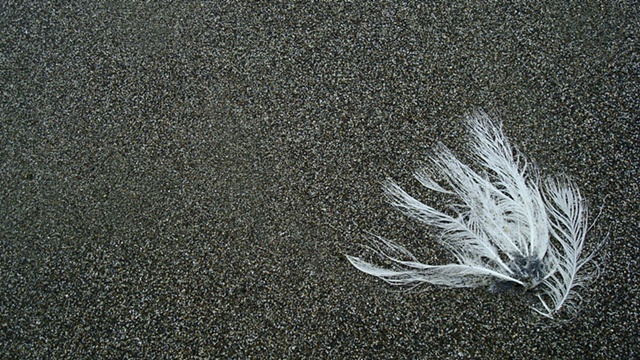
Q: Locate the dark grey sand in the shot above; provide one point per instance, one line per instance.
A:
(183, 180)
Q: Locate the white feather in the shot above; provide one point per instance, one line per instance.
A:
(503, 229)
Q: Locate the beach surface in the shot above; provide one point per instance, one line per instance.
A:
(184, 179)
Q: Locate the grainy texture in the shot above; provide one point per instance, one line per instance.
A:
(183, 180)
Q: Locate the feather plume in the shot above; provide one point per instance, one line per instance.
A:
(507, 226)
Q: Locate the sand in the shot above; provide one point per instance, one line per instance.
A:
(183, 180)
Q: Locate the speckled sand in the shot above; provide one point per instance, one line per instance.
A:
(183, 180)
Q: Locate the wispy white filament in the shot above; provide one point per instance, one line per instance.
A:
(507, 227)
